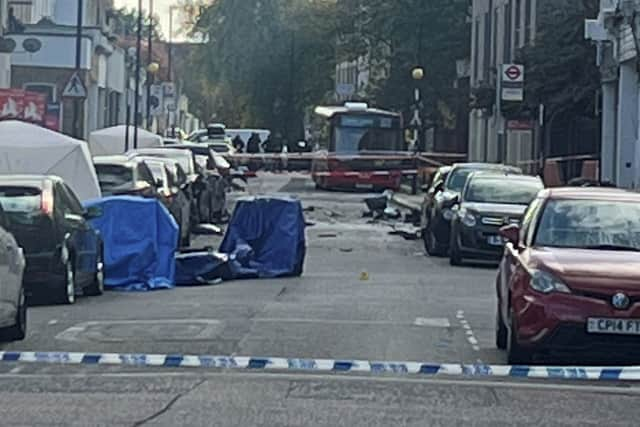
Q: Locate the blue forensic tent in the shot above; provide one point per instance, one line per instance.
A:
(140, 240)
(265, 238)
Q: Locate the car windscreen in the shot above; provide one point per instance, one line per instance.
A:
(354, 139)
(157, 169)
(502, 190)
(186, 161)
(111, 176)
(21, 205)
(457, 179)
(589, 224)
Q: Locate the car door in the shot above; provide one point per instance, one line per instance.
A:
(83, 237)
(12, 265)
(512, 259)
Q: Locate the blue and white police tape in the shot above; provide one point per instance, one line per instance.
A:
(630, 373)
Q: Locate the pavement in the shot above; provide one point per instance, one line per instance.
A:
(364, 294)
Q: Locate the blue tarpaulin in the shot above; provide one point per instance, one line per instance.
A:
(265, 238)
(140, 240)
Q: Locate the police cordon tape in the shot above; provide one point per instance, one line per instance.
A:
(630, 373)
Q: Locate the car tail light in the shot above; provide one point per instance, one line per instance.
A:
(46, 200)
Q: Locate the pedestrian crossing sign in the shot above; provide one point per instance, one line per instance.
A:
(75, 87)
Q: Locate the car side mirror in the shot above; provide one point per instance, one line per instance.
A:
(74, 219)
(511, 233)
(449, 203)
(159, 183)
(93, 212)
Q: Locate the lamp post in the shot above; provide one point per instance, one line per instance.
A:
(136, 108)
(152, 70)
(417, 74)
(150, 63)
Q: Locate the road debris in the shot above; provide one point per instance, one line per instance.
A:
(364, 276)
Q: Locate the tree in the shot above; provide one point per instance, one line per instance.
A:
(405, 34)
(561, 70)
(267, 59)
(124, 23)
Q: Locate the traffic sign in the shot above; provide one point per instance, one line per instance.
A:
(513, 73)
(75, 87)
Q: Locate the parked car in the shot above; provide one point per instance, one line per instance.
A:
(13, 306)
(196, 186)
(120, 175)
(569, 280)
(438, 215)
(214, 171)
(431, 190)
(170, 182)
(64, 253)
(487, 202)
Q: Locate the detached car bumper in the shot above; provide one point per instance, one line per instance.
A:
(558, 323)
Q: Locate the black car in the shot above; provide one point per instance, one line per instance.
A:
(64, 253)
(196, 186)
(121, 175)
(488, 202)
(171, 185)
(438, 215)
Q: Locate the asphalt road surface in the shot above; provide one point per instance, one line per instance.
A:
(365, 294)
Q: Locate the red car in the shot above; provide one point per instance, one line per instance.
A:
(569, 280)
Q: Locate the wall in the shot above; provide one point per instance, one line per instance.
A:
(57, 51)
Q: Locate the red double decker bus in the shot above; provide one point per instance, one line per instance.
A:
(361, 148)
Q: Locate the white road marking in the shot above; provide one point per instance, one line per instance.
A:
(471, 339)
(435, 322)
(52, 322)
(16, 370)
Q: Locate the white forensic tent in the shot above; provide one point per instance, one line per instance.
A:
(34, 150)
(108, 141)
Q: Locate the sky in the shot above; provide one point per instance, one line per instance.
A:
(161, 9)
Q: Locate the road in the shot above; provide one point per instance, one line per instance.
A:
(364, 295)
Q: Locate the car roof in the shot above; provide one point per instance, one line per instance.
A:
(117, 159)
(484, 166)
(28, 180)
(172, 151)
(492, 174)
(591, 193)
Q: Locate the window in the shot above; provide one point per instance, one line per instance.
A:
(507, 33)
(74, 205)
(527, 21)
(48, 89)
(486, 57)
(145, 174)
(518, 22)
(476, 49)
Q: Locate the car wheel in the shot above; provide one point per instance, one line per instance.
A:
(68, 290)
(97, 287)
(455, 258)
(516, 355)
(18, 331)
(430, 243)
(501, 330)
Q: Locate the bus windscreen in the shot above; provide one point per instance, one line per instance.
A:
(367, 133)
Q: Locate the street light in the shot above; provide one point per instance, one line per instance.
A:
(416, 122)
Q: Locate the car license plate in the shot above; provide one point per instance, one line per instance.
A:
(495, 240)
(364, 175)
(613, 326)
(364, 186)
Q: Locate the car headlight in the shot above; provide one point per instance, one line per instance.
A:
(447, 214)
(546, 283)
(467, 218)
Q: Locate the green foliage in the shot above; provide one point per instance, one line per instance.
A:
(125, 23)
(561, 69)
(405, 33)
(267, 59)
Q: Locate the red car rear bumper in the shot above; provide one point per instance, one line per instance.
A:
(559, 321)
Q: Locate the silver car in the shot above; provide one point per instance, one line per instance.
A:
(13, 308)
